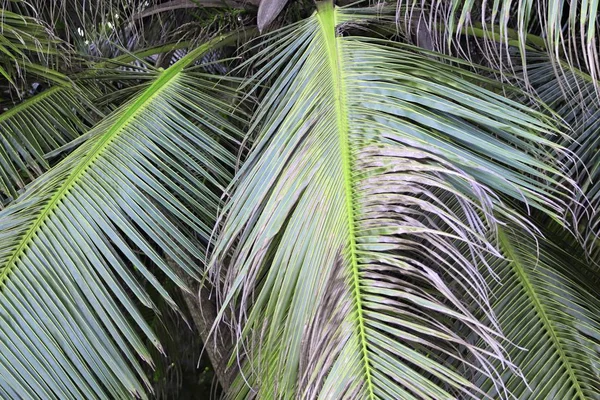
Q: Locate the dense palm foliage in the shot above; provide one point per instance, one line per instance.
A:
(374, 201)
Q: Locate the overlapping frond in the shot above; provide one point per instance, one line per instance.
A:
(566, 29)
(121, 77)
(73, 18)
(572, 94)
(37, 127)
(27, 46)
(147, 180)
(34, 132)
(550, 310)
(361, 218)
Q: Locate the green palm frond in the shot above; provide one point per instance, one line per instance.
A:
(566, 29)
(27, 46)
(359, 220)
(147, 179)
(572, 94)
(123, 76)
(38, 126)
(33, 133)
(72, 18)
(550, 311)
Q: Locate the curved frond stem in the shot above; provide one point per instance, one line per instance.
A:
(517, 265)
(137, 107)
(328, 23)
(546, 299)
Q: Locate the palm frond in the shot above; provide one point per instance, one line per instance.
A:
(338, 260)
(27, 46)
(34, 132)
(572, 94)
(550, 311)
(147, 179)
(38, 126)
(566, 29)
(125, 75)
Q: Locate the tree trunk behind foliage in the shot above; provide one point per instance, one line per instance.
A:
(204, 312)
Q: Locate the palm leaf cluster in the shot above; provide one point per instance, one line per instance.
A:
(27, 46)
(567, 30)
(573, 95)
(383, 193)
(372, 202)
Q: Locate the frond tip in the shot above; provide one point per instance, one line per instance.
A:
(565, 29)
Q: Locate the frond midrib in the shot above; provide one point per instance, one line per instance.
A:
(515, 262)
(327, 19)
(164, 79)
